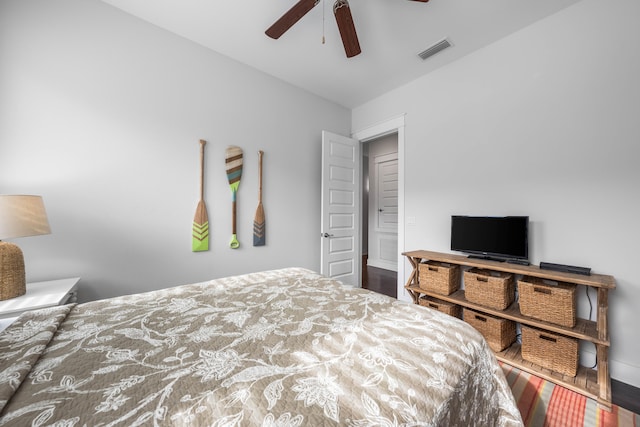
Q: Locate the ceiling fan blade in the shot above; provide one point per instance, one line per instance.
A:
(347, 29)
(290, 17)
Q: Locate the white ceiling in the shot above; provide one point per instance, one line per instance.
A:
(391, 34)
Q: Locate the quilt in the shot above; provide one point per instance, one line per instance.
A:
(282, 348)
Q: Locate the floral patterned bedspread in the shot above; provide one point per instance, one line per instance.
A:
(278, 348)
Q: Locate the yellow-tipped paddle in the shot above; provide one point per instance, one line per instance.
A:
(233, 161)
(200, 233)
(258, 222)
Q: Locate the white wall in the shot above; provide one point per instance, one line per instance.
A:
(101, 114)
(543, 123)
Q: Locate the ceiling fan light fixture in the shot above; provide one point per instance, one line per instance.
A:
(342, 12)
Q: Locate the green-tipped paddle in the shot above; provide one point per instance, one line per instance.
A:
(233, 161)
(200, 233)
(258, 222)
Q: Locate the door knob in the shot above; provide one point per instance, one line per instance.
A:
(327, 235)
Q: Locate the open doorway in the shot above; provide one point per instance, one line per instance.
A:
(341, 252)
(380, 214)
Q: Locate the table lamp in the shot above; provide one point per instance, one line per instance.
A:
(20, 216)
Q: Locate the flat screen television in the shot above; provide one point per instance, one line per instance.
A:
(500, 238)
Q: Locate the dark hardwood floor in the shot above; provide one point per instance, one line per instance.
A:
(380, 280)
(625, 396)
(385, 282)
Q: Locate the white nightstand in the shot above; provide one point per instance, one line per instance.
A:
(39, 295)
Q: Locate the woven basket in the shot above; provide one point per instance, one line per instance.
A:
(439, 277)
(494, 289)
(443, 306)
(12, 280)
(551, 301)
(499, 333)
(549, 350)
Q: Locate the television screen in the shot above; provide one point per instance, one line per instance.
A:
(501, 238)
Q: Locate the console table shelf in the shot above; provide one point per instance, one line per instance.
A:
(585, 382)
(584, 329)
(593, 383)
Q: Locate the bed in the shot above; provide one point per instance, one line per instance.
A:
(285, 347)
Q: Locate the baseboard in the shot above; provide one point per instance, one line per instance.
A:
(625, 373)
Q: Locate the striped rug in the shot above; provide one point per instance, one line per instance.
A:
(544, 404)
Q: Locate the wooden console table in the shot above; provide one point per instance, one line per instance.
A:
(593, 383)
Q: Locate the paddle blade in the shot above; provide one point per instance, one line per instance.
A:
(259, 227)
(342, 12)
(233, 165)
(200, 233)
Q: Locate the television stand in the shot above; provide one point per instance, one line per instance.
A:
(593, 383)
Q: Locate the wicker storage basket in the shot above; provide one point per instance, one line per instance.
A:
(494, 289)
(499, 333)
(551, 301)
(439, 277)
(549, 350)
(443, 306)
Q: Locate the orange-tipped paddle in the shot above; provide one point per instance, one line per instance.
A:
(200, 233)
(258, 222)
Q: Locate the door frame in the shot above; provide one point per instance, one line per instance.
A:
(389, 126)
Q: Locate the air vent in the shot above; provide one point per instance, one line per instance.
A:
(435, 48)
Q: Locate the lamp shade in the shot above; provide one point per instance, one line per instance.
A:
(22, 216)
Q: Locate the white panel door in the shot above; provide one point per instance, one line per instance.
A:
(383, 237)
(340, 205)
(387, 197)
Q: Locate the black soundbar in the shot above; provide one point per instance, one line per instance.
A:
(585, 271)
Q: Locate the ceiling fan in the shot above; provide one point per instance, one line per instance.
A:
(343, 16)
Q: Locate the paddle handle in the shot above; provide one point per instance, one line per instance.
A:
(234, 244)
(260, 153)
(202, 144)
(233, 215)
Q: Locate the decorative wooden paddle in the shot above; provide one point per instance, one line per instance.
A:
(233, 161)
(200, 234)
(258, 222)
